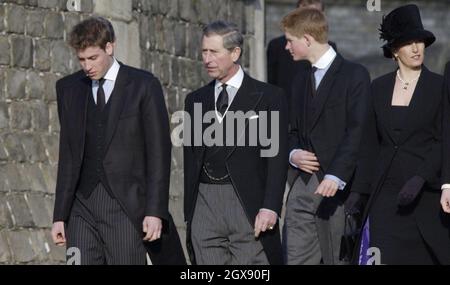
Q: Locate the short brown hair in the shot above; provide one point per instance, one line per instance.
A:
(303, 21)
(92, 32)
(306, 3)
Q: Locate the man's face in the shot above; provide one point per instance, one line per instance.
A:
(218, 61)
(296, 46)
(96, 61)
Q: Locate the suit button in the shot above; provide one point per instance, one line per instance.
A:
(396, 147)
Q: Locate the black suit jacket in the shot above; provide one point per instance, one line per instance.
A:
(419, 147)
(446, 126)
(258, 181)
(335, 126)
(137, 146)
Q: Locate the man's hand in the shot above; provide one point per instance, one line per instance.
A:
(306, 161)
(265, 220)
(445, 200)
(58, 234)
(327, 188)
(152, 226)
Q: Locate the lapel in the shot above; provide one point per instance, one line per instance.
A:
(80, 98)
(117, 101)
(247, 98)
(206, 98)
(418, 104)
(384, 105)
(325, 88)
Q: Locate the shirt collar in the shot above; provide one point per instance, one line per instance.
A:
(113, 71)
(235, 81)
(326, 59)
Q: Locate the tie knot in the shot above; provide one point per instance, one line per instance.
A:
(224, 87)
(313, 69)
(101, 82)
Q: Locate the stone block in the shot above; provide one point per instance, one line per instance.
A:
(54, 25)
(22, 51)
(15, 82)
(35, 177)
(5, 254)
(121, 10)
(39, 116)
(35, 87)
(4, 185)
(15, 16)
(51, 144)
(127, 46)
(5, 214)
(39, 212)
(180, 39)
(34, 23)
(70, 20)
(49, 172)
(12, 144)
(194, 42)
(20, 212)
(60, 57)
(50, 83)
(4, 116)
(21, 246)
(33, 147)
(2, 18)
(20, 116)
(42, 49)
(5, 51)
(52, 4)
(186, 9)
(53, 117)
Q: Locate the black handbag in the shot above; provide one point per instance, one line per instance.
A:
(352, 229)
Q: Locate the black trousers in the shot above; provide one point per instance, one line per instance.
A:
(102, 233)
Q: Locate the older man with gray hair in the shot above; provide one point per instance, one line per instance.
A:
(233, 195)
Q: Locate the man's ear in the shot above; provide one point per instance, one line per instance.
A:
(109, 48)
(236, 54)
(309, 40)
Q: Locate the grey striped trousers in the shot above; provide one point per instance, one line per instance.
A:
(220, 230)
(102, 232)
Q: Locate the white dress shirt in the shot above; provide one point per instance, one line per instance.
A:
(110, 81)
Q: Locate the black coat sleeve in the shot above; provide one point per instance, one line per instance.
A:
(157, 150)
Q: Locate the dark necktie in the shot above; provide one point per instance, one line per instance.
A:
(313, 81)
(101, 101)
(222, 100)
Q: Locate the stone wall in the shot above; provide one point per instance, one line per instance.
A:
(160, 36)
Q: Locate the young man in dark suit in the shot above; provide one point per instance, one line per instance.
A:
(326, 120)
(233, 191)
(281, 68)
(112, 189)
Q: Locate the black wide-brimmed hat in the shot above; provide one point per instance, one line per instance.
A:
(403, 25)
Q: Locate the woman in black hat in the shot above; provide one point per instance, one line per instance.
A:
(401, 156)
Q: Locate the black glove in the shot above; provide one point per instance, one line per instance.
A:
(410, 190)
(354, 203)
